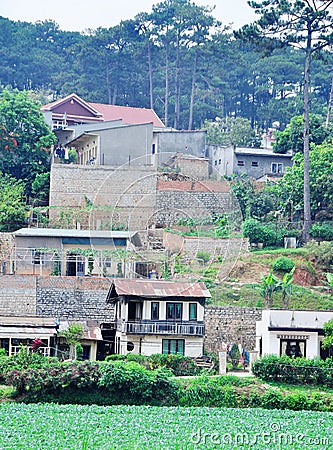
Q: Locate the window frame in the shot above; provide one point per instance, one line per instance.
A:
(168, 343)
(174, 315)
(154, 316)
(195, 316)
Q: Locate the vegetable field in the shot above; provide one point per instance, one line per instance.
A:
(72, 427)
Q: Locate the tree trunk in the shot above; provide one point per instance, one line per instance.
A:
(306, 147)
(151, 90)
(329, 109)
(194, 74)
(166, 98)
(177, 87)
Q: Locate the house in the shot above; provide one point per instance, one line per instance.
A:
(73, 110)
(155, 316)
(116, 135)
(18, 331)
(292, 333)
(255, 162)
(45, 251)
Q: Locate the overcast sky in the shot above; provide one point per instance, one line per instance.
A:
(79, 15)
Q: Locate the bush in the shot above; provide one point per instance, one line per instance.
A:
(25, 359)
(203, 257)
(257, 232)
(132, 383)
(294, 370)
(322, 232)
(283, 264)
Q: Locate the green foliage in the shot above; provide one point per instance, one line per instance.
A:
(12, 205)
(322, 254)
(140, 427)
(283, 264)
(323, 232)
(73, 334)
(24, 122)
(235, 131)
(269, 285)
(234, 355)
(203, 257)
(24, 359)
(328, 331)
(179, 365)
(257, 232)
(294, 370)
(40, 187)
(292, 137)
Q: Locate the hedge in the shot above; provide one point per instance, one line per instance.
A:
(294, 370)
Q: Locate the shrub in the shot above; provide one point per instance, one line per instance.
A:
(203, 257)
(323, 232)
(283, 264)
(132, 383)
(257, 232)
(294, 370)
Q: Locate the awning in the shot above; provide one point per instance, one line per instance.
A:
(26, 332)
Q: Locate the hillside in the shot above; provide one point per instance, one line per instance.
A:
(241, 288)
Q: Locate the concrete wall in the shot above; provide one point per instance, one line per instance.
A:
(264, 164)
(187, 142)
(129, 145)
(227, 324)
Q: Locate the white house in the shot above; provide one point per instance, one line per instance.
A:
(292, 333)
(157, 316)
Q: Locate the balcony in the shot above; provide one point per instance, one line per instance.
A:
(185, 329)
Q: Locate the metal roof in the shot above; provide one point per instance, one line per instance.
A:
(261, 152)
(160, 288)
(59, 232)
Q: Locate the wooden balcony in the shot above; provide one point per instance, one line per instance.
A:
(174, 328)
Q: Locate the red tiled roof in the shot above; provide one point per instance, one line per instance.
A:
(128, 114)
(160, 288)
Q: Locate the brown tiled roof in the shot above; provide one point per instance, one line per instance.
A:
(160, 288)
(128, 114)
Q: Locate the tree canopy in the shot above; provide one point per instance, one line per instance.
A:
(25, 138)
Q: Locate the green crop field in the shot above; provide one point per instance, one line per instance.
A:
(55, 427)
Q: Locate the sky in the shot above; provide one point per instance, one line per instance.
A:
(80, 15)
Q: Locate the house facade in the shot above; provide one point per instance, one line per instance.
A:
(155, 316)
(46, 251)
(255, 162)
(292, 333)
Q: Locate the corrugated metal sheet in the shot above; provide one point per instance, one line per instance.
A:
(93, 334)
(33, 332)
(159, 288)
(60, 232)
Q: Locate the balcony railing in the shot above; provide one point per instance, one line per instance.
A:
(45, 351)
(190, 329)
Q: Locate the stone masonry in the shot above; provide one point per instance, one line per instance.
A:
(230, 324)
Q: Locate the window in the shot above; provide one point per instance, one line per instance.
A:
(215, 162)
(254, 164)
(193, 311)
(277, 168)
(220, 161)
(107, 262)
(155, 311)
(240, 163)
(174, 311)
(153, 149)
(173, 346)
(37, 257)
